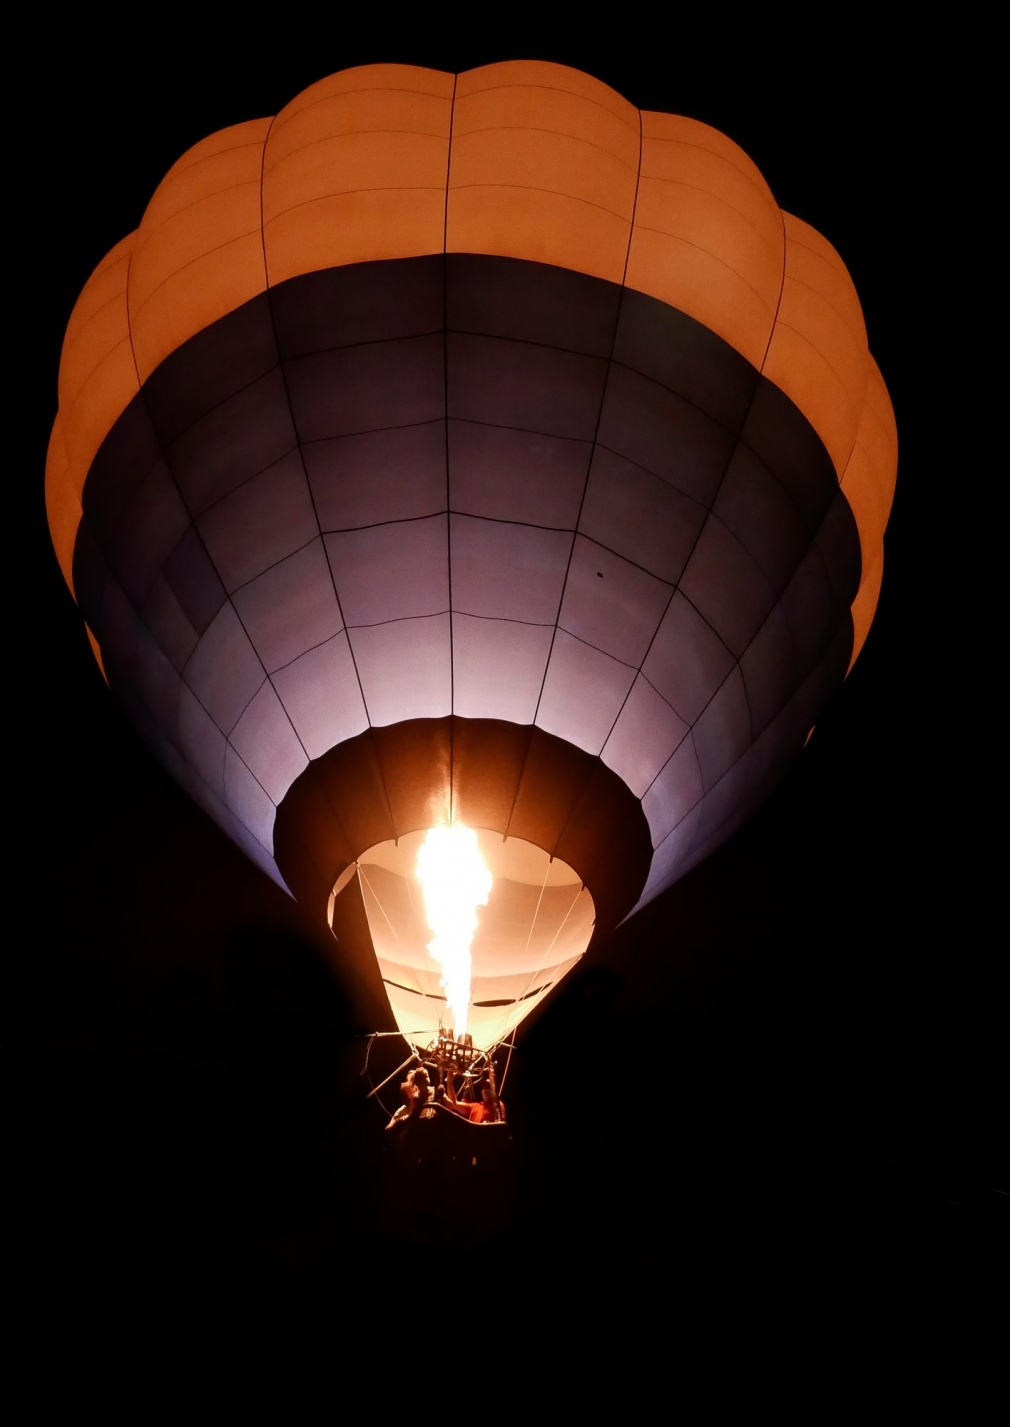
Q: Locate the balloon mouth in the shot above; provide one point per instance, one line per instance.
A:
(470, 930)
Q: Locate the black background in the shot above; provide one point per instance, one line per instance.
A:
(786, 1068)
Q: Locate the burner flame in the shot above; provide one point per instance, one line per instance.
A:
(456, 881)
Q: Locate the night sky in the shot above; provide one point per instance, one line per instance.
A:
(790, 1058)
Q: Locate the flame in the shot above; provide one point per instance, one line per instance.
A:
(456, 881)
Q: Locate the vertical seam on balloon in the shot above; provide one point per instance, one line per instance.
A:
(305, 473)
(445, 399)
(592, 447)
(129, 324)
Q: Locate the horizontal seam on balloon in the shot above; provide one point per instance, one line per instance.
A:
(124, 341)
(765, 192)
(116, 254)
(505, 619)
(717, 198)
(858, 337)
(348, 93)
(276, 803)
(441, 512)
(183, 676)
(646, 470)
(400, 619)
(550, 89)
(532, 188)
(671, 585)
(556, 133)
(176, 172)
(589, 645)
(679, 238)
(219, 500)
(83, 326)
(804, 338)
(672, 754)
(311, 649)
(357, 346)
(253, 776)
(840, 270)
(147, 235)
(350, 134)
(344, 193)
(237, 238)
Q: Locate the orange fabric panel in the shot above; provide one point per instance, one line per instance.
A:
(199, 251)
(63, 508)
(864, 606)
(878, 434)
(96, 650)
(544, 166)
(868, 485)
(708, 233)
(818, 353)
(355, 170)
(98, 376)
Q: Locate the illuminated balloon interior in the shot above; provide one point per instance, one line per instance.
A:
(484, 970)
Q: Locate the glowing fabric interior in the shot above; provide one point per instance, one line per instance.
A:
(535, 927)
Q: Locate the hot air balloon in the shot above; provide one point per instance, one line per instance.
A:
(478, 476)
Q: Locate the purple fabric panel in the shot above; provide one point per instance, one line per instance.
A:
(781, 437)
(246, 799)
(669, 859)
(583, 693)
(531, 302)
(639, 516)
(201, 741)
(268, 744)
(378, 476)
(236, 440)
(405, 669)
(148, 532)
(138, 670)
(530, 388)
(675, 792)
(321, 695)
(505, 571)
(236, 830)
(838, 542)
(290, 608)
(91, 571)
(365, 302)
(193, 580)
(688, 661)
(210, 368)
(266, 519)
(389, 572)
(725, 585)
(224, 672)
(368, 388)
(166, 619)
(723, 732)
(643, 738)
(516, 475)
(664, 434)
(807, 605)
(771, 670)
(756, 509)
(686, 357)
(120, 465)
(611, 603)
(498, 668)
